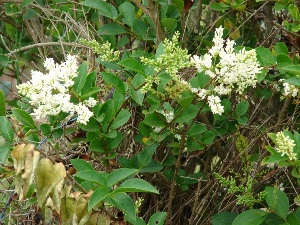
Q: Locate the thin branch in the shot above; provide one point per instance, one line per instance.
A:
(44, 44)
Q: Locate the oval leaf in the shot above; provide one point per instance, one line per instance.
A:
(119, 175)
(24, 118)
(136, 185)
(250, 217)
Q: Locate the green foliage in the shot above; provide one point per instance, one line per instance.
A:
(153, 140)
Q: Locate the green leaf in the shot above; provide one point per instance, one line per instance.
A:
(277, 157)
(294, 217)
(121, 119)
(188, 113)
(79, 81)
(24, 118)
(4, 61)
(98, 196)
(152, 167)
(294, 81)
(294, 69)
(46, 129)
(115, 81)
(5, 129)
(219, 6)
(134, 65)
(169, 24)
(25, 3)
(208, 137)
(280, 48)
(241, 108)
(284, 60)
(137, 96)
(265, 57)
(223, 218)
(2, 104)
(242, 120)
(30, 13)
(119, 174)
(127, 10)
(4, 150)
(91, 175)
(179, 4)
(136, 185)
(278, 201)
(125, 204)
(97, 146)
(279, 6)
(109, 113)
(196, 129)
(155, 120)
(104, 8)
(89, 92)
(250, 217)
(112, 29)
(145, 156)
(200, 81)
(92, 125)
(81, 165)
(294, 11)
(158, 218)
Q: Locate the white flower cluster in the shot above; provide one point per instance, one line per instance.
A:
(228, 70)
(214, 103)
(49, 93)
(285, 146)
(289, 90)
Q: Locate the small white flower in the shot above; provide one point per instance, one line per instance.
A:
(91, 102)
(285, 146)
(214, 103)
(49, 92)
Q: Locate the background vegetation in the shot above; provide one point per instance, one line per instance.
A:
(199, 167)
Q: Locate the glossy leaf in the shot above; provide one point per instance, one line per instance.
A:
(265, 56)
(5, 129)
(24, 118)
(115, 81)
(79, 81)
(98, 196)
(2, 104)
(119, 174)
(112, 29)
(124, 203)
(294, 69)
(121, 119)
(280, 48)
(278, 201)
(103, 7)
(250, 217)
(158, 218)
(219, 6)
(187, 114)
(81, 165)
(91, 175)
(144, 157)
(223, 218)
(241, 108)
(136, 185)
(154, 120)
(133, 64)
(127, 10)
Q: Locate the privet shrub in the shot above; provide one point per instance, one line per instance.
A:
(150, 113)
